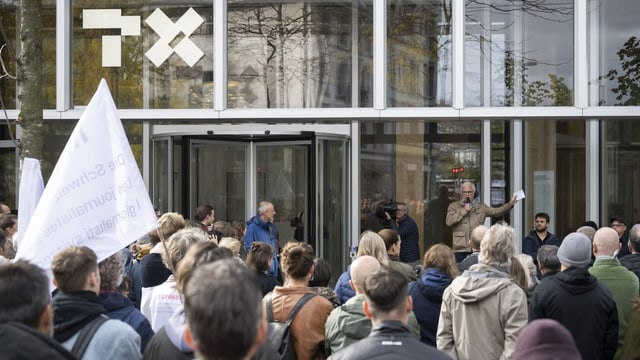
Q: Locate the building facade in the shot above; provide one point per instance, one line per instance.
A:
(330, 109)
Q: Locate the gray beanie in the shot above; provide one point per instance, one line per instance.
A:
(575, 250)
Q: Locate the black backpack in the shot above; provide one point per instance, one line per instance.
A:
(278, 335)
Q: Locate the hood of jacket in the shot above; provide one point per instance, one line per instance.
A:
(576, 280)
(355, 324)
(432, 284)
(114, 300)
(258, 221)
(72, 311)
(479, 282)
(175, 330)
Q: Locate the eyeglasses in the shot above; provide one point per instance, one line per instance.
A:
(468, 192)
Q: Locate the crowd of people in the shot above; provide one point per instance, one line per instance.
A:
(209, 289)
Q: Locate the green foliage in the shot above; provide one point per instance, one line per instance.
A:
(628, 89)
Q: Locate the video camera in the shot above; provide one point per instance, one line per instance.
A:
(383, 207)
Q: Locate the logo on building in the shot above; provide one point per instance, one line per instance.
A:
(159, 22)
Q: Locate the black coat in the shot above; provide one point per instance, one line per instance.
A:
(21, 342)
(389, 340)
(584, 306)
(632, 262)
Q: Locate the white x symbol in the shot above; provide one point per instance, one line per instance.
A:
(167, 30)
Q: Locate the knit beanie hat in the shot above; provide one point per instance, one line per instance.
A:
(546, 339)
(575, 250)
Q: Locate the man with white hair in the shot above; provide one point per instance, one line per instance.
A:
(622, 283)
(577, 300)
(484, 304)
(467, 213)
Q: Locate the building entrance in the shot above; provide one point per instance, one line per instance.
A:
(303, 174)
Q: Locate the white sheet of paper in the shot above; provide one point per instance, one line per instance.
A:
(519, 194)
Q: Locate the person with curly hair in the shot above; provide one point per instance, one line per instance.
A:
(307, 329)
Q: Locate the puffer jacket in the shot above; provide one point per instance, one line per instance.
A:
(427, 298)
(482, 313)
(343, 288)
(463, 222)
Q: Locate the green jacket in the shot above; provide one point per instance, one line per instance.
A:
(347, 324)
(623, 285)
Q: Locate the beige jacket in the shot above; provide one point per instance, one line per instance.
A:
(463, 222)
(482, 313)
(307, 329)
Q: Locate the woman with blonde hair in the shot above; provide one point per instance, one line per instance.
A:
(440, 269)
(370, 244)
(307, 328)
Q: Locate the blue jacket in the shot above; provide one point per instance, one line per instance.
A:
(258, 230)
(408, 231)
(121, 308)
(427, 298)
(343, 289)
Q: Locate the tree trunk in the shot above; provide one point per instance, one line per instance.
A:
(30, 79)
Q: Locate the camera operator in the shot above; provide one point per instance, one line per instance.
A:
(407, 228)
(464, 215)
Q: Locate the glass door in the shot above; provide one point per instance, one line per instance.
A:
(282, 177)
(217, 177)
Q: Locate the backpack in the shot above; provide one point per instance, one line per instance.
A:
(278, 334)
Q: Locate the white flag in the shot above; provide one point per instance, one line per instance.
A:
(96, 196)
(31, 187)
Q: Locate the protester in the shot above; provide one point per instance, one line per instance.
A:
(372, 244)
(546, 339)
(118, 306)
(261, 228)
(577, 300)
(259, 259)
(77, 307)
(319, 282)
(388, 306)
(169, 343)
(307, 329)
(440, 269)
(164, 299)
(26, 317)
(631, 347)
(219, 325)
(483, 309)
(467, 213)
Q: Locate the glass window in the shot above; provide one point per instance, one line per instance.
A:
(10, 43)
(8, 185)
(419, 59)
(500, 165)
(555, 180)
(296, 54)
(614, 43)
(622, 170)
(422, 164)
(121, 42)
(518, 53)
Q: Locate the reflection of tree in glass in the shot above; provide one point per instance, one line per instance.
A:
(555, 92)
(288, 42)
(486, 19)
(628, 89)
